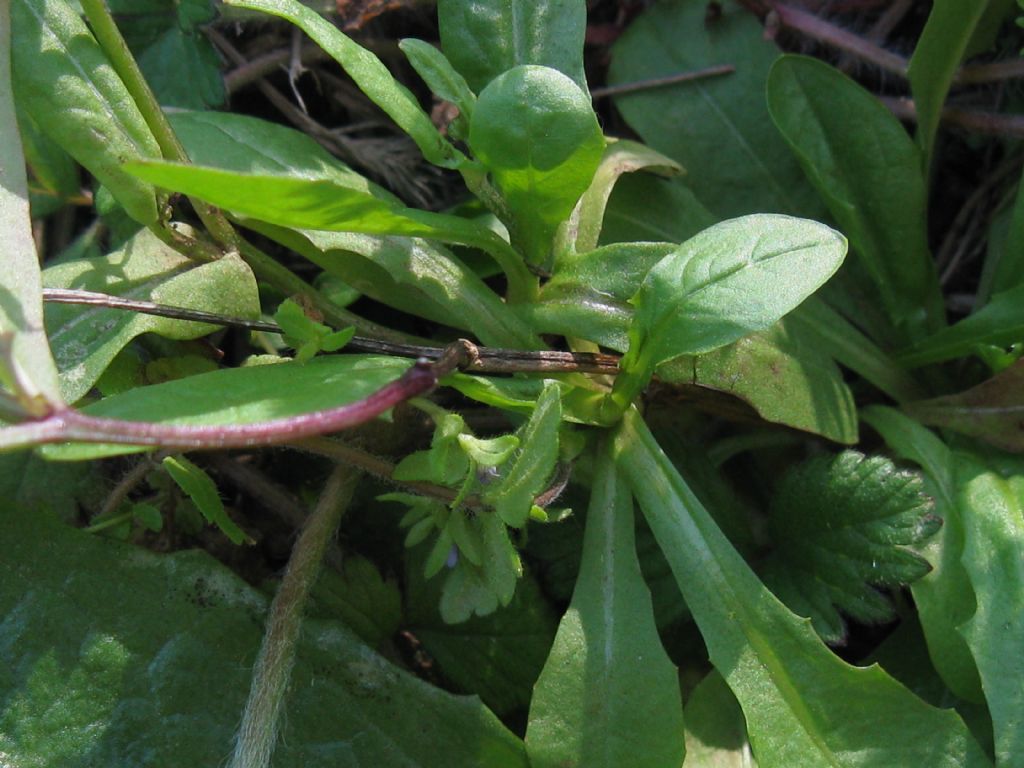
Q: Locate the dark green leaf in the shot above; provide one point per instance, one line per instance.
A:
(868, 171)
(716, 733)
(470, 589)
(939, 50)
(242, 396)
(1004, 261)
(203, 491)
(194, 81)
(54, 173)
(21, 306)
(101, 640)
(535, 131)
(803, 705)
(484, 38)
(999, 322)
(646, 207)
(369, 73)
(735, 278)
(59, 69)
(368, 603)
(86, 339)
(841, 526)
(609, 695)
(529, 471)
(717, 128)
(992, 411)
(944, 598)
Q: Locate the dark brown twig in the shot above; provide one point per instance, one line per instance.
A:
(661, 82)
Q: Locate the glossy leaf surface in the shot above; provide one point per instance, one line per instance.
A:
(609, 695)
(484, 38)
(803, 705)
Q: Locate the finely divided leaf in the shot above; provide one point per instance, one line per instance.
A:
(841, 526)
(609, 695)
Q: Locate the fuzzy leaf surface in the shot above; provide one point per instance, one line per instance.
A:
(841, 526)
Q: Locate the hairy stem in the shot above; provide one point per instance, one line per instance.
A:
(257, 734)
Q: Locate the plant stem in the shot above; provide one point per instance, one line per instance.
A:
(258, 732)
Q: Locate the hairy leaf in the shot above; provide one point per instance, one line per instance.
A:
(868, 171)
(86, 339)
(59, 69)
(803, 705)
(609, 695)
(200, 487)
(484, 38)
(841, 526)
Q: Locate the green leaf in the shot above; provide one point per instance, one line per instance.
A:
(620, 157)
(836, 128)
(55, 174)
(496, 657)
(803, 705)
(470, 589)
(939, 50)
(716, 733)
(489, 453)
(59, 69)
(609, 695)
(529, 471)
(369, 603)
(780, 373)
(241, 396)
(735, 278)
(993, 508)
(991, 411)
(944, 598)
(102, 640)
(841, 526)
(484, 38)
(535, 131)
(21, 309)
(439, 75)
(717, 128)
(999, 322)
(646, 207)
(1004, 261)
(325, 204)
(194, 81)
(85, 340)
(203, 491)
(369, 73)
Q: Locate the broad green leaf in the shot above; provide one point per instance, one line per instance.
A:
(620, 157)
(109, 655)
(369, 73)
(803, 705)
(21, 310)
(484, 38)
(717, 128)
(535, 131)
(369, 603)
(414, 276)
(999, 322)
(991, 411)
(841, 527)
(241, 396)
(534, 463)
(326, 205)
(781, 373)
(716, 733)
(993, 517)
(609, 695)
(86, 339)
(200, 487)
(59, 69)
(647, 207)
(496, 657)
(735, 278)
(944, 598)
(194, 81)
(439, 75)
(868, 171)
(939, 50)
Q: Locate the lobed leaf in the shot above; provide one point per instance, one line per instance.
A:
(484, 38)
(609, 695)
(59, 69)
(803, 705)
(841, 526)
(868, 171)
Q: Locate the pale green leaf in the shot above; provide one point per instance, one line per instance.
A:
(200, 487)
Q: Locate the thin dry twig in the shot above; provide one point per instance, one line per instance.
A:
(661, 82)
